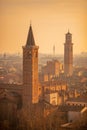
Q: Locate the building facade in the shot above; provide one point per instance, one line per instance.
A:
(51, 70)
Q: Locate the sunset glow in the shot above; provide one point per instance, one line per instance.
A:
(50, 20)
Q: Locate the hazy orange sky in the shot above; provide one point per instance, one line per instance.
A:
(50, 19)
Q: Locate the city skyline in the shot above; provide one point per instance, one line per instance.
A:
(50, 21)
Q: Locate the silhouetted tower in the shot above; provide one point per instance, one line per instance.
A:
(30, 71)
(54, 51)
(4, 55)
(68, 55)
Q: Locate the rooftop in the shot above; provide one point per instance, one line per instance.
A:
(82, 98)
(66, 108)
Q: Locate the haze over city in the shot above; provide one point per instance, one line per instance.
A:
(39, 88)
(50, 19)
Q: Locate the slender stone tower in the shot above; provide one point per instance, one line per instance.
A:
(30, 71)
(68, 55)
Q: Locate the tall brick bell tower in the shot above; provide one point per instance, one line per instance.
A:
(30, 71)
(68, 55)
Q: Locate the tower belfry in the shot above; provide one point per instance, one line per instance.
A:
(68, 55)
(30, 70)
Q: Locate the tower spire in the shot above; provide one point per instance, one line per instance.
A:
(30, 38)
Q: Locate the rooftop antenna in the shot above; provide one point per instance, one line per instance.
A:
(68, 30)
(30, 22)
(53, 50)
